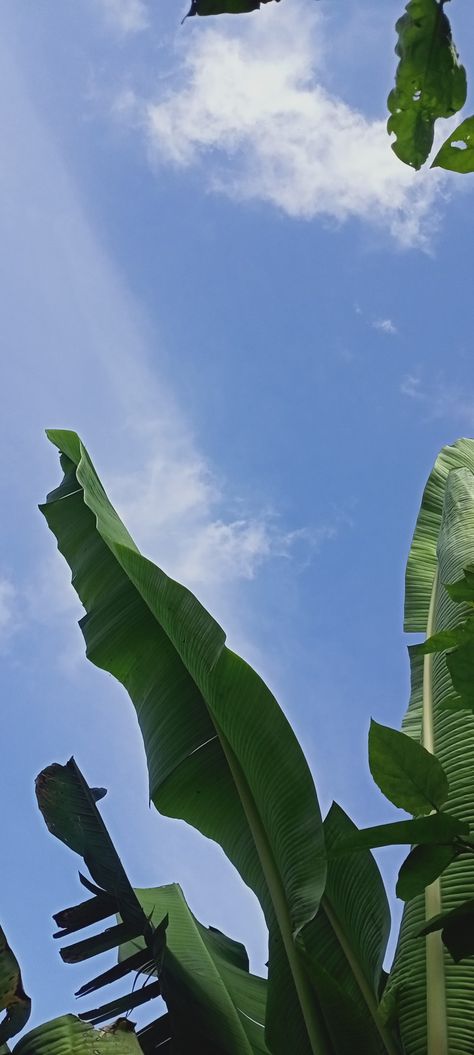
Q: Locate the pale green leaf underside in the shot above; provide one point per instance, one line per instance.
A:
(443, 540)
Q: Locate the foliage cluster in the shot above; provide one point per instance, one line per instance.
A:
(222, 756)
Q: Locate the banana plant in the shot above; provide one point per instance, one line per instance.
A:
(204, 715)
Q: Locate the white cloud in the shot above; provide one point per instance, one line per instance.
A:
(249, 103)
(440, 399)
(385, 325)
(126, 16)
(179, 514)
(8, 610)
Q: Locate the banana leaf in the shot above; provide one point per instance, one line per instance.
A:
(69, 1036)
(346, 946)
(13, 999)
(69, 808)
(214, 1004)
(434, 996)
(221, 754)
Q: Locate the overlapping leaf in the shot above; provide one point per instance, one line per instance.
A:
(69, 1036)
(214, 1004)
(346, 945)
(220, 752)
(13, 999)
(430, 82)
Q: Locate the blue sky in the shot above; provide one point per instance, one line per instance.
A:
(260, 322)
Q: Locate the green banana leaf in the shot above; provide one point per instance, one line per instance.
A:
(214, 1004)
(434, 996)
(430, 82)
(346, 945)
(221, 754)
(69, 1036)
(13, 999)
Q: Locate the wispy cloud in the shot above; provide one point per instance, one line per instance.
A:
(440, 399)
(126, 16)
(386, 326)
(249, 105)
(190, 522)
(8, 610)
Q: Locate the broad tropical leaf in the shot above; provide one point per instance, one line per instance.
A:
(13, 999)
(430, 82)
(457, 152)
(69, 1036)
(443, 545)
(408, 775)
(214, 1004)
(221, 754)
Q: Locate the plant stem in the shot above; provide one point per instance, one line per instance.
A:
(391, 1046)
(436, 1018)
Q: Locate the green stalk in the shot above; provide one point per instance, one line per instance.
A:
(390, 1045)
(315, 1025)
(436, 1017)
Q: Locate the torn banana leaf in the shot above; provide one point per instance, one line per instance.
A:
(71, 814)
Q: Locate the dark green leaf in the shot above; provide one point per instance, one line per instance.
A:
(224, 7)
(457, 154)
(84, 915)
(155, 1039)
(430, 82)
(422, 866)
(446, 639)
(408, 775)
(437, 828)
(462, 591)
(69, 809)
(109, 939)
(137, 962)
(121, 1004)
(460, 664)
(13, 999)
(457, 930)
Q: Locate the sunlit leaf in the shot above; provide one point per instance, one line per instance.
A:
(457, 152)
(430, 82)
